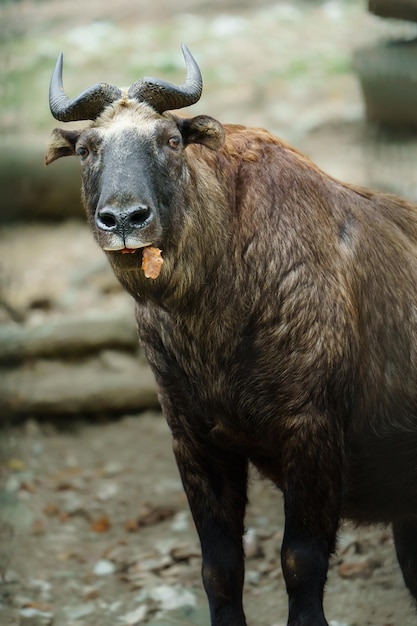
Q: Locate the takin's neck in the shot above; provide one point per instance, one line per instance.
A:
(194, 249)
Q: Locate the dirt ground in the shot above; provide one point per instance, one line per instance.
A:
(98, 533)
(94, 528)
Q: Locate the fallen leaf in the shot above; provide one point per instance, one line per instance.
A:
(361, 567)
(39, 606)
(77, 555)
(50, 509)
(100, 525)
(38, 527)
(149, 516)
(131, 525)
(29, 487)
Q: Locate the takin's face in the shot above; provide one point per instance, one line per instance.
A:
(133, 168)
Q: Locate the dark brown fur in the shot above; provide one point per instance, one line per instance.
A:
(282, 331)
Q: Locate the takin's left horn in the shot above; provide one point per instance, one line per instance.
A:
(87, 106)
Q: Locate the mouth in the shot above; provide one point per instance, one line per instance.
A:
(123, 248)
(151, 260)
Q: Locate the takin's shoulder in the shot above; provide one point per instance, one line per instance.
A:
(251, 151)
(256, 148)
(252, 144)
(246, 144)
(257, 152)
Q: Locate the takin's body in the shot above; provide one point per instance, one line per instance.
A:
(302, 304)
(282, 330)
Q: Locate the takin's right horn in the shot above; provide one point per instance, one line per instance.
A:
(163, 96)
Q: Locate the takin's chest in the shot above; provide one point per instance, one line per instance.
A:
(193, 370)
(227, 377)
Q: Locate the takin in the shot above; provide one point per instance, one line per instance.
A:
(278, 314)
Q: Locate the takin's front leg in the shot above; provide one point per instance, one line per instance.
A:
(215, 482)
(312, 461)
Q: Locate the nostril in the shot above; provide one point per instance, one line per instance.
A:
(139, 216)
(106, 219)
(122, 221)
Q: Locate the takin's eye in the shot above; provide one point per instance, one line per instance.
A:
(82, 152)
(174, 142)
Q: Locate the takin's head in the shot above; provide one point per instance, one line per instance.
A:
(133, 154)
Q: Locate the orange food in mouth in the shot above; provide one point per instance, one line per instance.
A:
(128, 250)
(151, 262)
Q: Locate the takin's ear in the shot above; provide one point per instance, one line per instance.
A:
(62, 144)
(202, 129)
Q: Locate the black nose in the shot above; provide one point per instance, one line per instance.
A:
(122, 221)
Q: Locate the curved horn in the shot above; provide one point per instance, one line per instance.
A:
(163, 96)
(87, 106)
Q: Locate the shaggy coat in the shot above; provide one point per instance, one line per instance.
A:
(282, 331)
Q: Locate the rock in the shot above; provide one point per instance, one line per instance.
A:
(112, 468)
(83, 610)
(134, 617)
(169, 597)
(88, 386)
(113, 607)
(10, 576)
(186, 616)
(387, 74)
(348, 543)
(252, 577)
(69, 337)
(15, 514)
(33, 617)
(104, 568)
(185, 551)
(251, 544)
(153, 564)
(30, 191)
(400, 9)
(106, 491)
(90, 592)
(180, 522)
(73, 504)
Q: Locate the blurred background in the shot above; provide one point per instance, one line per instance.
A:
(337, 79)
